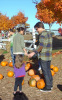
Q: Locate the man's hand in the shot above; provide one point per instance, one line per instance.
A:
(31, 54)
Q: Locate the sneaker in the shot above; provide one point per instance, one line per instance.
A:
(45, 90)
(52, 87)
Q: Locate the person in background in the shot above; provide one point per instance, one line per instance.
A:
(45, 47)
(10, 37)
(19, 71)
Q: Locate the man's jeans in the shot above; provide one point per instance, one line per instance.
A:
(45, 65)
(12, 55)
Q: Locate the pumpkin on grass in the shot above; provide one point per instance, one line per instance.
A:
(52, 72)
(55, 69)
(52, 66)
(10, 74)
(1, 76)
(40, 84)
(6, 63)
(32, 82)
(31, 72)
(10, 64)
(36, 77)
(3, 63)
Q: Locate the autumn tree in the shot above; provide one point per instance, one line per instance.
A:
(19, 19)
(5, 23)
(49, 11)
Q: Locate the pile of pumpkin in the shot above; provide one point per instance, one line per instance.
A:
(36, 80)
(10, 73)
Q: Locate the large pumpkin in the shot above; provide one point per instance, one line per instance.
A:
(40, 84)
(10, 64)
(28, 66)
(31, 72)
(1, 76)
(36, 77)
(32, 82)
(52, 72)
(3, 63)
(10, 74)
(55, 69)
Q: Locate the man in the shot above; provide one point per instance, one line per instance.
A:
(45, 49)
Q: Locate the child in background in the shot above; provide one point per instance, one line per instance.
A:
(19, 71)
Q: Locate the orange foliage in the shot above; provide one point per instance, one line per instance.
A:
(49, 11)
(19, 18)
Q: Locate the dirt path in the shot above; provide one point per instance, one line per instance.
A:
(6, 84)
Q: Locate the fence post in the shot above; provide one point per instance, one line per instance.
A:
(34, 37)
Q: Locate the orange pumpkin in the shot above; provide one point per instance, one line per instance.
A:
(10, 74)
(36, 77)
(31, 72)
(3, 63)
(10, 64)
(1, 76)
(23, 82)
(40, 84)
(28, 66)
(6, 63)
(55, 69)
(52, 66)
(52, 72)
(32, 82)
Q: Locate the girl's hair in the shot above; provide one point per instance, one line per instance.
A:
(19, 61)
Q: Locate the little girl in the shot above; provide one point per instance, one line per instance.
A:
(19, 71)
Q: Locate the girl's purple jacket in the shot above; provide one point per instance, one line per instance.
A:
(19, 72)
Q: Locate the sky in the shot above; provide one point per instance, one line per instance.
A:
(27, 7)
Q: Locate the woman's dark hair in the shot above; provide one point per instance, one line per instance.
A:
(20, 96)
(39, 25)
(19, 60)
(20, 29)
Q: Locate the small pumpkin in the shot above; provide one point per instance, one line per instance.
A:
(3, 63)
(55, 69)
(52, 66)
(32, 82)
(36, 77)
(10, 74)
(1, 76)
(10, 64)
(52, 72)
(40, 84)
(31, 72)
(6, 63)
(23, 82)
(28, 66)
